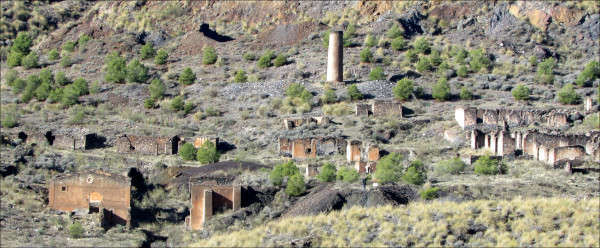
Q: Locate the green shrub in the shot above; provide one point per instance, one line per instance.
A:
(76, 230)
(411, 55)
(325, 38)
(298, 90)
(377, 74)
(82, 86)
(149, 103)
(207, 153)
(187, 152)
(280, 60)
(295, 185)
(209, 56)
(450, 166)
(65, 61)
(95, 87)
(177, 103)
(403, 89)
(398, 43)
(188, 107)
(366, 56)
(435, 58)
(42, 92)
(70, 95)
(545, 71)
(370, 41)
(429, 194)
(137, 72)
(423, 65)
(419, 92)
(187, 77)
(415, 174)
(69, 46)
(61, 79)
(422, 46)
(533, 61)
(210, 111)
(240, 77)
(348, 175)
(33, 82)
(394, 32)
(281, 171)
(389, 168)
(461, 55)
(567, 95)
(147, 51)
(21, 44)
(329, 96)
(354, 93)
(487, 166)
(350, 30)
(46, 76)
(441, 90)
(462, 71)
(10, 119)
(157, 89)
(327, 174)
(11, 76)
(53, 55)
(83, 40)
(250, 56)
(14, 59)
(18, 86)
(465, 94)
(479, 60)
(590, 72)
(115, 68)
(265, 60)
(521, 92)
(161, 57)
(31, 60)
(56, 95)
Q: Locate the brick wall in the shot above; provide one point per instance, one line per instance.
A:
(206, 199)
(383, 108)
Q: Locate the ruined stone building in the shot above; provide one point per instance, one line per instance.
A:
(291, 123)
(71, 141)
(469, 118)
(93, 191)
(199, 141)
(210, 195)
(303, 148)
(147, 145)
(379, 108)
(357, 151)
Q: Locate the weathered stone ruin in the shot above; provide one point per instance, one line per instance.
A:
(335, 60)
(365, 167)
(291, 123)
(71, 141)
(303, 148)
(93, 192)
(312, 170)
(147, 145)
(356, 151)
(379, 108)
(208, 195)
(199, 141)
(469, 118)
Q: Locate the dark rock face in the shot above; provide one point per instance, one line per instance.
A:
(592, 25)
(501, 20)
(410, 22)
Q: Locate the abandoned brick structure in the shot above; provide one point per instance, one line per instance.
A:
(291, 123)
(303, 148)
(469, 118)
(379, 108)
(209, 195)
(199, 141)
(93, 191)
(356, 151)
(147, 145)
(70, 141)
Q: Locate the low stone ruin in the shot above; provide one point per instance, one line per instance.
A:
(357, 151)
(311, 147)
(469, 118)
(379, 108)
(71, 141)
(291, 123)
(208, 195)
(147, 145)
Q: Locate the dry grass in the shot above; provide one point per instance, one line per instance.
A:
(519, 222)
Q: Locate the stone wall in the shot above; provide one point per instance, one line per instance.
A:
(468, 118)
(303, 148)
(291, 123)
(363, 109)
(199, 141)
(379, 108)
(90, 189)
(565, 153)
(206, 199)
(147, 145)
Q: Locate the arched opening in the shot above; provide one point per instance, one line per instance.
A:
(95, 200)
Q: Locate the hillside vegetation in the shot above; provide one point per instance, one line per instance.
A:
(520, 222)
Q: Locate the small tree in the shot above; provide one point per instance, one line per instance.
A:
(348, 175)
(240, 77)
(590, 72)
(370, 41)
(377, 74)
(567, 95)
(137, 72)
(149, 103)
(207, 153)
(46, 76)
(465, 94)
(488, 166)
(209, 56)
(281, 60)
(250, 56)
(398, 43)
(161, 57)
(187, 77)
(69, 46)
(329, 96)
(533, 61)
(95, 87)
(281, 171)
(325, 38)
(83, 40)
(521, 92)
(31, 60)
(403, 89)
(65, 61)
(115, 68)
(423, 65)
(10, 119)
(187, 152)
(147, 51)
(42, 92)
(177, 103)
(14, 59)
(327, 174)
(265, 60)
(76, 230)
(394, 32)
(82, 86)
(422, 46)
(18, 86)
(21, 44)
(479, 60)
(545, 71)
(366, 56)
(53, 55)
(462, 71)
(61, 79)
(461, 55)
(435, 59)
(450, 166)
(389, 168)
(354, 93)
(188, 107)
(415, 174)
(70, 95)
(295, 185)
(56, 95)
(411, 55)
(429, 194)
(11, 76)
(441, 90)
(157, 89)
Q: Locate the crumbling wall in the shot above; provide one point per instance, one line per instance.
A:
(567, 153)
(312, 170)
(353, 151)
(557, 120)
(363, 109)
(291, 123)
(199, 141)
(207, 199)
(490, 116)
(372, 153)
(147, 145)
(303, 148)
(465, 117)
(383, 108)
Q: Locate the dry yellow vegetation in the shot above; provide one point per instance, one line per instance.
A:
(545, 222)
